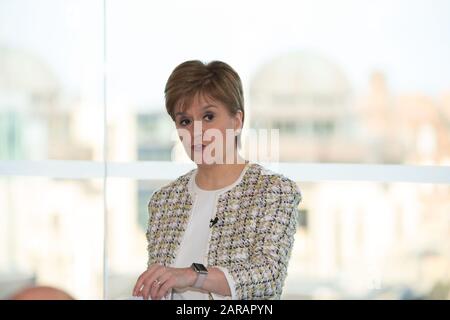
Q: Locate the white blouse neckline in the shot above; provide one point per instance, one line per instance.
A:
(195, 189)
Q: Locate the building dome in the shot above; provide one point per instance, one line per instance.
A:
(21, 71)
(299, 78)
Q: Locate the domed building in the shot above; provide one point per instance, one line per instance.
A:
(36, 119)
(28, 89)
(36, 123)
(21, 71)
(306, 96)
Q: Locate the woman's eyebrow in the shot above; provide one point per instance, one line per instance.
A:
(179, 114)
(204, 108)
(209, 106)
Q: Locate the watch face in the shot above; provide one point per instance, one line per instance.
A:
(200, 268)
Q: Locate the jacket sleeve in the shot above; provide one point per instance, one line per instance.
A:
(263, 275)
(149, 233)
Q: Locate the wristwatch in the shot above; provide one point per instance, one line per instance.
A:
(202, 273)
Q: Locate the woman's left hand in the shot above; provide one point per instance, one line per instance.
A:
(157, 280)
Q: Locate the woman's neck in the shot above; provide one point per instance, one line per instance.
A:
(217, 176)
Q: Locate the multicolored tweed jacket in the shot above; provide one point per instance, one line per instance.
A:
(254, 235)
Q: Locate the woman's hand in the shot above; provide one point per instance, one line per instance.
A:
(158, 280)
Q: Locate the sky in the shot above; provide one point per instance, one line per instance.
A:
(407, 40)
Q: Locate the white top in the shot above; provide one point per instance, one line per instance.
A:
(194, 245)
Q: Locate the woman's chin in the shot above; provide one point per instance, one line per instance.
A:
(201, 160)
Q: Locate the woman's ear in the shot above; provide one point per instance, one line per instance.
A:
(238, 121)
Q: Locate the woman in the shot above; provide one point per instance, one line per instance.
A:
(224, 230)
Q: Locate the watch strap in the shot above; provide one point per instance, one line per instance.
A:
(201, 277)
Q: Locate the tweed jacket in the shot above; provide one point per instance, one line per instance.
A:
(253, 237)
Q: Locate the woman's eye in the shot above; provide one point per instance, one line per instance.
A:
(209, 116)
(184, 122)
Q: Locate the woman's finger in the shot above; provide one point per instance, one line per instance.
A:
(167, 284)
(159, 275)
(139, 282)
(143, 280)
(150, 281)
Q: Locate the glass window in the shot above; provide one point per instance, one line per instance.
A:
(358, 83)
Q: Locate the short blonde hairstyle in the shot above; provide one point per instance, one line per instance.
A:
(215, 79)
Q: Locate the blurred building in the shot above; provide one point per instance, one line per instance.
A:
(355, 239)
(43, 240)
(352, 233)
(308, 98)
(405, 128)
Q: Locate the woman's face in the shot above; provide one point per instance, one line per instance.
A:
(203, 129)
